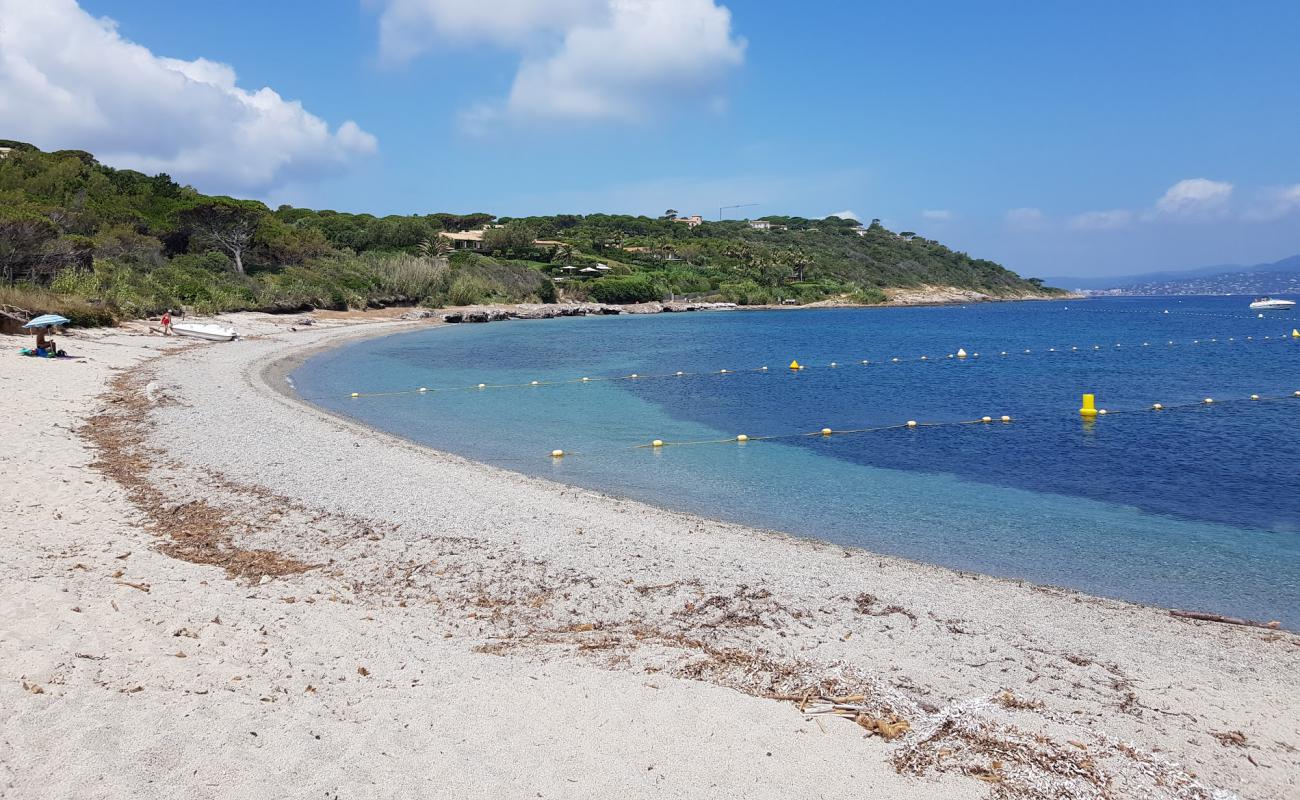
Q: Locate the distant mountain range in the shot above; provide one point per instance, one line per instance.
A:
(1274, 277)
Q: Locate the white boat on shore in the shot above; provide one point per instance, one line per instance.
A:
(199, 330)
(1269, 304)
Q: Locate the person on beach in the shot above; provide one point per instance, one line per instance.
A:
(44, 344)
(167, 322)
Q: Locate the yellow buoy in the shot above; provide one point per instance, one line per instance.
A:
(1005, 418)
(1295, 333)
(356, 394)
(961, 353)
(657, 443)
(1089, 407)
(557, 454)
(826, 431)
(795, 365)
(742, 438)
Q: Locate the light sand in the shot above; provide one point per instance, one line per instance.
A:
(465, 631)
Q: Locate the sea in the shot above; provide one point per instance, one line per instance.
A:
(1193, 506)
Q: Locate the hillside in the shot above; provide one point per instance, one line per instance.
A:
(99, 243)
(1276, 277)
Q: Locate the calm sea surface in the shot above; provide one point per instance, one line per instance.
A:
(1196, 506)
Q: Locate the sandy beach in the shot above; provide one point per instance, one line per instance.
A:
(214, 590)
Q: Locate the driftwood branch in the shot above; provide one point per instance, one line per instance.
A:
(1206, 617)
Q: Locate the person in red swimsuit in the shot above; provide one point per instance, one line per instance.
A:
(167, 323)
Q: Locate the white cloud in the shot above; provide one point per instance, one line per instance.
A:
(408, 28)
(1102, 220)
(1274, 203)
(619, 60)
(1195, 196)
(937, 215)
(1026, 217)
(69, 80)
(846, 214)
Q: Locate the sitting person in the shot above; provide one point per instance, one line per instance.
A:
(44, 344)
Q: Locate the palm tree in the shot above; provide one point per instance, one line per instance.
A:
(563, 254)
(437, 247)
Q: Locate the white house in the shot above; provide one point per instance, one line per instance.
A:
(5, 151)
(760, 225)
(691, 221)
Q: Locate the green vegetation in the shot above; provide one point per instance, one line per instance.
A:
(96, 243)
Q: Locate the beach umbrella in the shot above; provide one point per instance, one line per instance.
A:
(47, 321)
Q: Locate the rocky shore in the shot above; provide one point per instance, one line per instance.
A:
(497, 313)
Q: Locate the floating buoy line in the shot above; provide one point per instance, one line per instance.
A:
(1089, 411)
(1166, 312)
(795, 367)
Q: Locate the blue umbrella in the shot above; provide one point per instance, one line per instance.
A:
(47, 321)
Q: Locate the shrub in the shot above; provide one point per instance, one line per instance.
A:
(32, 301)
(632, 289)
(746, 293)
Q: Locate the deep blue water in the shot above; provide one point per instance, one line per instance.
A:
(1195, 506)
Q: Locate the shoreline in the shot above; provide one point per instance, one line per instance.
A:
(523, 573)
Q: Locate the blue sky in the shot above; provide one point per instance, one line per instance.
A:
(1060, 139)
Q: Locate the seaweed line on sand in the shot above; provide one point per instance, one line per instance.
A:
(508, 604)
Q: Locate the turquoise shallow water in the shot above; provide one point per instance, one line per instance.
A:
(1196, 506)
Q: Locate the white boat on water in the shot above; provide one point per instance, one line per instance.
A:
(1269, 304)
(199, 330)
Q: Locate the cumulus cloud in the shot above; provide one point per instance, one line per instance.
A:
(846, 214)
(1026, 217)
(602, 60)
(1102, 220)
(937, 215)
(69, 80)
(1195, 196)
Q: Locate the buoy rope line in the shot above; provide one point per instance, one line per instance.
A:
(1269, 317)
(824, 433)
(961, 355)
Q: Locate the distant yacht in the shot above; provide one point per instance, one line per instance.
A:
(1269, 304)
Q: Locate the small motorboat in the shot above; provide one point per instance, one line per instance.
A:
(1269, 304)
(199, 330)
